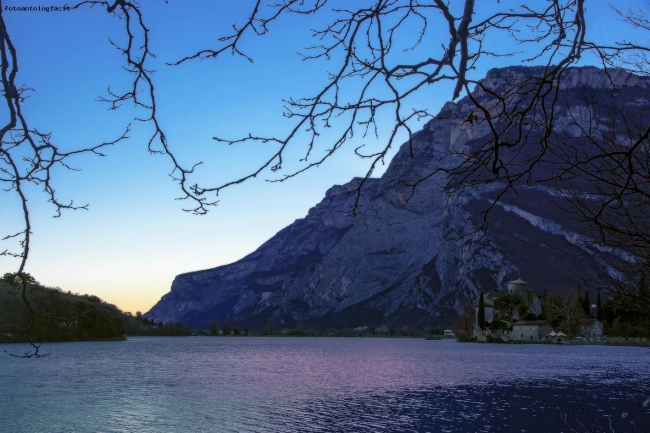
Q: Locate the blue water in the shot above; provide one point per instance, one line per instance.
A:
(258, 384)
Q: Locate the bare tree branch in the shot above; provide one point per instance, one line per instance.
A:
(371, 89)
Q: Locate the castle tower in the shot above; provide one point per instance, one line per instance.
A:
(518, 287)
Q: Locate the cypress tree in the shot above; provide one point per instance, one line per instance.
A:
(481, 312)
(580, 303)
(644, 299)
(599, 310)
(586, 305)
(644, 288)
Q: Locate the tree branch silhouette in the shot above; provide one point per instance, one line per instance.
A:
(381, 54)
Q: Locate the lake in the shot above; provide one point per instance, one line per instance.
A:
(266, 384)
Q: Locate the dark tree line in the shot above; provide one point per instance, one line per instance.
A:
(629, 316)
(140, 325)
(70, 317)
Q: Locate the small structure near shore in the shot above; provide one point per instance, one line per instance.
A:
(591, 329)
(531, 330)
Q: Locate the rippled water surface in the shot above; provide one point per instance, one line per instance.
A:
(256, 384)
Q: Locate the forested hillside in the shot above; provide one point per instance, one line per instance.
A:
(64, 316)
(61, 316)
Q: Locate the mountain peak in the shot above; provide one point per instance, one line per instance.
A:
(399, 263)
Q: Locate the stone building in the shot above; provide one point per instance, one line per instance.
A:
(590, 329)
(530, 330)
(517, 287)
(532, 299)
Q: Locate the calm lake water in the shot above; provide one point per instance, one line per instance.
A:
(257, 384)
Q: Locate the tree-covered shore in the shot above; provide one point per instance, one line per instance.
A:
(624, 315)
(64, 316)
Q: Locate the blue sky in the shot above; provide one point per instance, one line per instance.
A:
(135, 238)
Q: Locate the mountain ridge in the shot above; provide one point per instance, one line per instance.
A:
(402, 264)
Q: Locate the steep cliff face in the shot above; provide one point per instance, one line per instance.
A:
(405, 265)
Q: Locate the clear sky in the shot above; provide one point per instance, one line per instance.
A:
(135, 238)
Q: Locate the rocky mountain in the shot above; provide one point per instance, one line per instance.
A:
(410, 264)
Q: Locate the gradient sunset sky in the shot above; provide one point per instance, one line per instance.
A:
(135, 238)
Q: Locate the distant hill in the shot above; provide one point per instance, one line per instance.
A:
(70, 317)
(85, 317)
